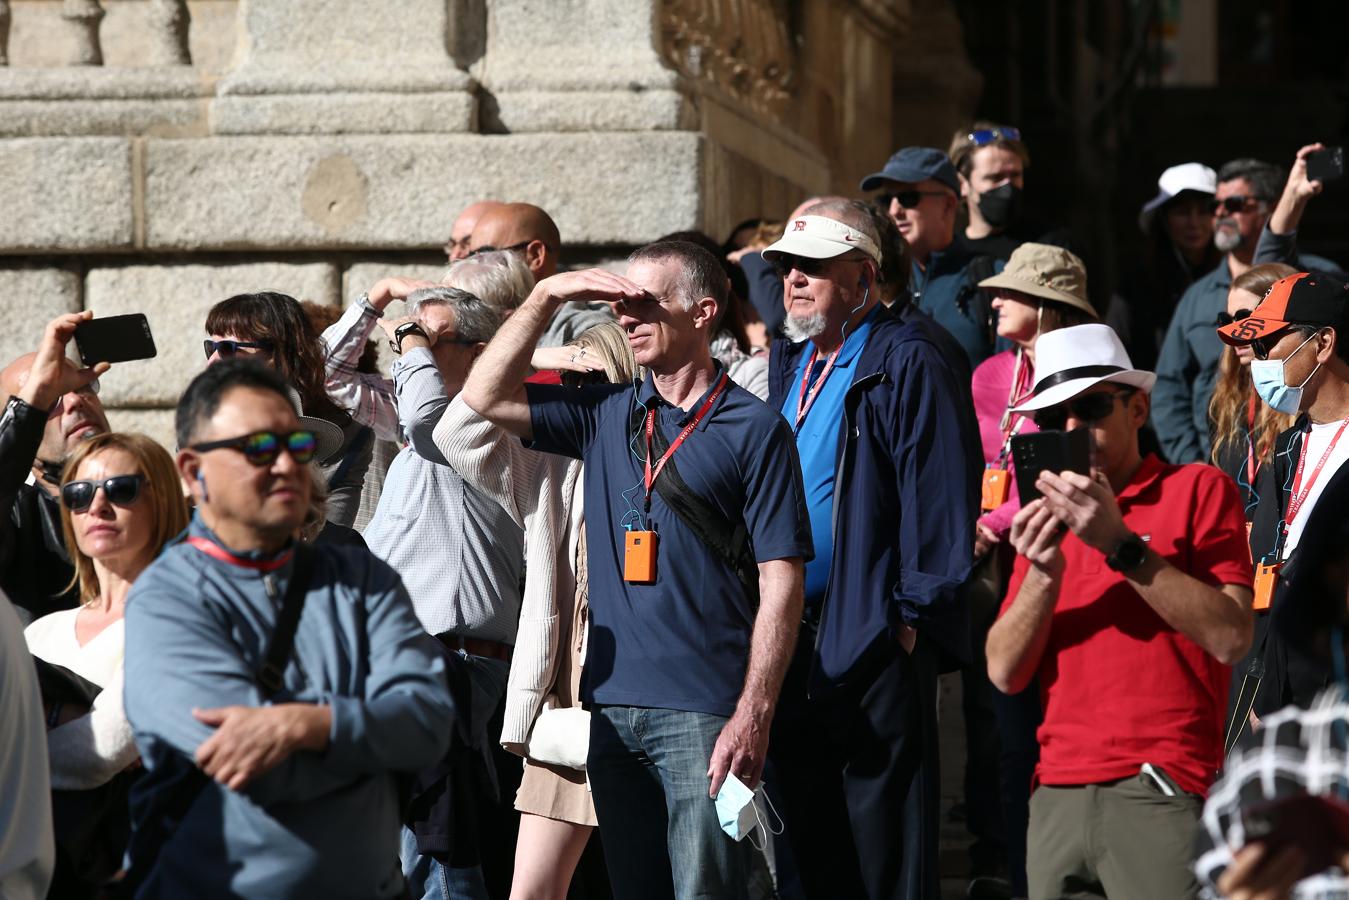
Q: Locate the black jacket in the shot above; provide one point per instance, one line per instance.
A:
(35, 569)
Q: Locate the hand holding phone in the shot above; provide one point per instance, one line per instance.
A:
(1325, 165)
(114, 339)
(1057, 451)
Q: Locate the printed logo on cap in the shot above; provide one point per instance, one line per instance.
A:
(1248, 329)
(800, 225)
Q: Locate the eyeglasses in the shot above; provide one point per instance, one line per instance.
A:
(907, 199)
(1232, 205)
(120, 489)
(1227, 318)
(452, 245)
(227, 349)
(982, 136)
(488, 248)
(90, 390)
(1086, 408)
(784, 263)
(261, 448)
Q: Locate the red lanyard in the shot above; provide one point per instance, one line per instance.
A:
(1298, 499)
(652, 474)
(215, 551)
(806, 397)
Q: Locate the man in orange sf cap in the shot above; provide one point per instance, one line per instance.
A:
(1299, 335)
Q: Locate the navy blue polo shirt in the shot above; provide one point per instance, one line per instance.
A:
(683, 642)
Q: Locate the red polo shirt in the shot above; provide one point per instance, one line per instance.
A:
(1119, 686)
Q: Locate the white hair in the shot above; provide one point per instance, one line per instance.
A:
(500, 278)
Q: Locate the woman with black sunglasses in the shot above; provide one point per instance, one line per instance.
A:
(1242, 428)
(121, 502)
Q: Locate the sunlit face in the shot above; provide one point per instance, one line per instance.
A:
(1240, 303)
(929, 224)
(1114, 436)
(1018, 315)
(106, 530)
(1242, 227)
(829, 296)
(661, 333)
(453, 357)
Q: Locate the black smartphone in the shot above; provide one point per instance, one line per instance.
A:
(115, 339)
(1057, 451)
(1325, 165)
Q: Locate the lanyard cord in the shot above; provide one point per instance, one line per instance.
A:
(650, 474)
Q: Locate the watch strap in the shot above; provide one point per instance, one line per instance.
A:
(403, 331)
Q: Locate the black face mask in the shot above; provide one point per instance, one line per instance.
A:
(1001, 206)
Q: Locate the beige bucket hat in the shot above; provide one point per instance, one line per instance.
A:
(1042, 270)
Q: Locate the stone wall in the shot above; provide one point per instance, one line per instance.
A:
(159, 155)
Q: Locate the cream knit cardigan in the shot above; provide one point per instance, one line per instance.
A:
(541, 492)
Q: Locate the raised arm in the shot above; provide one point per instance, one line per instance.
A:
(1297, 192)
(495, 387)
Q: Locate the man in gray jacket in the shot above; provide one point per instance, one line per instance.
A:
(298, 798)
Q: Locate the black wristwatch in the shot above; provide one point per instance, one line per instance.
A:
(1128, 554)
(402, 331)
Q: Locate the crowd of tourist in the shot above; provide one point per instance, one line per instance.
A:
(678, 551)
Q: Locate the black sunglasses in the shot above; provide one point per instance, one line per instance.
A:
(261, 448)
(120, 489)
(1233, 204)
(226, 349)
(1086, 408)
(907, 199)
(1227, 318)
(488, 248)
(1261, 346)
(784, 263)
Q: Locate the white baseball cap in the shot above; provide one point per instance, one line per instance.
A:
(1184, 177)
(819, 237)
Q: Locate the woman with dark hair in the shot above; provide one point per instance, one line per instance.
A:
(1179, 248)
(273, 328)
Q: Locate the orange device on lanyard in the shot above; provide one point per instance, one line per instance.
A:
(997, 486)
(639, 547)
(1267, 572)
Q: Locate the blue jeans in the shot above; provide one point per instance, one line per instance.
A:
(648, 776)
(430, 880)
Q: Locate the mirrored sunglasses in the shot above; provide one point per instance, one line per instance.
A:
(261, 448)
(983, 136)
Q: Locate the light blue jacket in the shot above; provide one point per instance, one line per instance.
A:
(320, 824)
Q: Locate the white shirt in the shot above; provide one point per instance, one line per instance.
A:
(1314, 444)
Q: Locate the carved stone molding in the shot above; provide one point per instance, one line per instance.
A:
(741, 46)
(169, 20)
(4, 32)
(85, 17)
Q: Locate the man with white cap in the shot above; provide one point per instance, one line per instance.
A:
(1130, 598)
(1178, 248)
(885, 435)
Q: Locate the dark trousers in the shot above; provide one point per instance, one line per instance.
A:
(857, 777)
(983, 797)
(1019, 717)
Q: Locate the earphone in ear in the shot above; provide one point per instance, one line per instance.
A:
(201, 480)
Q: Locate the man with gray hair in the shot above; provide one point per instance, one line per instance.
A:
(460, 554)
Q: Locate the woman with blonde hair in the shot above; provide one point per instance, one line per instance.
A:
(1243, 428)
(544, 721)
(121, 502)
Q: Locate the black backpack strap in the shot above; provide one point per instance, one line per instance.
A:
(729, 541)
(272, 674)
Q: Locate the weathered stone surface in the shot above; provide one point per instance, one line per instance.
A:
(32, 298)
(97, 100)
(65, 194)
(344, 113)
(176, 300)
(601, 188)
(157, 423)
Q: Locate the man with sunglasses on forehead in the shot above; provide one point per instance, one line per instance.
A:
(883, 425)
(1188, 362)
(1301, 367)
(51, 406)
(267, 782)
(1130, 597)
(921, 191)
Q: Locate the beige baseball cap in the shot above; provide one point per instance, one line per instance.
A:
(1042, 270)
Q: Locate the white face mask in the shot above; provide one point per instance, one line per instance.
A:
(1267, 377)
(740, 810)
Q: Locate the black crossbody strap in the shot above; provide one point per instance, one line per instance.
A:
(729, 541)
(272, 674)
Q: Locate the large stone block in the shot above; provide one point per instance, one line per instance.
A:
(98, 100)
(176, 300)
(429, 113)
(403, 191)
(157, 423)
(33, 297)
(65, 195)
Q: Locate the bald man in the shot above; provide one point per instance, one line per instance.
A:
(50, 407)
(457, 246)
(526, 229)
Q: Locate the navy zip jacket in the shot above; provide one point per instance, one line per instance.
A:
(905, 499)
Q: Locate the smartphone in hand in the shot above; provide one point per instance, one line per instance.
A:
(1325, 165)
(114, 339)
(1057, 451)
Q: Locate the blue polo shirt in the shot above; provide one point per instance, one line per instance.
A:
(817, 443)
(683, 642)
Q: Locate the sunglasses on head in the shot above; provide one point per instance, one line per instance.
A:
(1085, 408)
(226, 349)
(784, 263)
(983, 136)
(1231, 205)
(120, 489)
(488, 248)
(906, 199)
(261, 448)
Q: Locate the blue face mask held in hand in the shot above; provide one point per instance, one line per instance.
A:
(738, 809)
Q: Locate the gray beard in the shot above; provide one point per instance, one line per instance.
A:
(1226, 241)
(803, 328)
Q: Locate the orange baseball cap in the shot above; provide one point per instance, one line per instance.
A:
(1307, 298)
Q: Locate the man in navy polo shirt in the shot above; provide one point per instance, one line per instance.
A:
(885, 428)
(683, 665)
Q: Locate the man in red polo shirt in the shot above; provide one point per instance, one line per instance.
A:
(1130, 598)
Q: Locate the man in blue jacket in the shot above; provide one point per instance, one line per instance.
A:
(298, 798)
(884, 433)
